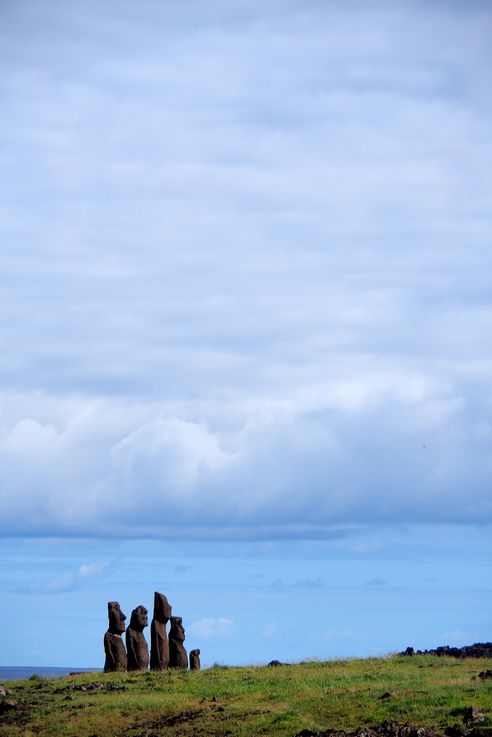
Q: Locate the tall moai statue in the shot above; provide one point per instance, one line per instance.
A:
(178, 657)
(195, 660)
(116, 659)
(136, 644)
(159, 645)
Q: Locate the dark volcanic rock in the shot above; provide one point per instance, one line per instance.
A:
(386, 729)
(136, 644)
(275, 664)
(159, 644)
(478, 650)
(178, 657)
(92, 686)
(7, 705)
(473, 715)
(485, 674)
(455, 730)
(195, 660)
(114, 648)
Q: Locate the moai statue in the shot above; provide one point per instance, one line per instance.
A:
(178, 657)
(195, 660)
(159, 645)
(113, 644)
(136, 644)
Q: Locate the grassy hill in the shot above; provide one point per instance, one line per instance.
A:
(346, 695)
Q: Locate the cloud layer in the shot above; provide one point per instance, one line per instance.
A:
(244, 268)
(280, 469)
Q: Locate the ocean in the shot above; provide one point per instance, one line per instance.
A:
(18, 672)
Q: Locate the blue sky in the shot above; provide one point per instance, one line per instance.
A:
(244, 276)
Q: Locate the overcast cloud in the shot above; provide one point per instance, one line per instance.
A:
(245, 267)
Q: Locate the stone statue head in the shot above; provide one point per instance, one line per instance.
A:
(162, 608)
(177, 630)
(195, 652)
(139, 619)
(116, 618)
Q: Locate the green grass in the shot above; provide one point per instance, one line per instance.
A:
(425, 690)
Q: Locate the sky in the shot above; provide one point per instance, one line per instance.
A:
(245, 327)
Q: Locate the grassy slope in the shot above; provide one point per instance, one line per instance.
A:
(426, 691)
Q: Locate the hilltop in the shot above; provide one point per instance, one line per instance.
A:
(424, 691)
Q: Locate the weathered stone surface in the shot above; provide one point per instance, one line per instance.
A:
(473, 715)
(159, 644)
(136, 644)
(8, 705)
(455, 730)
(92, 686)
(178, 657)
(386, 729)
(195, 660)
(114, 648)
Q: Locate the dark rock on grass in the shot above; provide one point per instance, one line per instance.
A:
(154, 726)
(386, 695)
(386, 729)
(473, 715)
(455, 730)
(8, 705)
(93, 686)
(275, 664)
(485, 674)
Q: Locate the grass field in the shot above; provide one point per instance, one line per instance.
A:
(346, 694)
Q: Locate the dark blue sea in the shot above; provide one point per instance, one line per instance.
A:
(18, 672)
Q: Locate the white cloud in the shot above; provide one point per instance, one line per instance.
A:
(71, 580)
(456, 637)
(290, 469)
(243, 268)
(212, 627)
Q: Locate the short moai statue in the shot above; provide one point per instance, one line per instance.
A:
(159, 645)
(195, 660)
(114, 648)
(178, 657)
(136, 644)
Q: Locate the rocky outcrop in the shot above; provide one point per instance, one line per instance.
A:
(386, 729)
(178, 657)
(159, 644)
(485, 675)
(114, 648)
(136, 644)
(478, 650)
